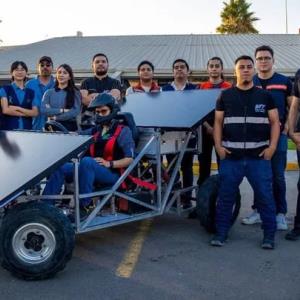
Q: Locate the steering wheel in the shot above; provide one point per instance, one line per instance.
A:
(55, 126)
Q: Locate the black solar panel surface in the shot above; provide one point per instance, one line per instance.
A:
(26, 157)
(180, 110)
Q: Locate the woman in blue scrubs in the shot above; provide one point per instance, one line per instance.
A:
(18, 104)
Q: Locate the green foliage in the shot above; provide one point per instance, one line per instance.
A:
(236, 18)
(291, 145)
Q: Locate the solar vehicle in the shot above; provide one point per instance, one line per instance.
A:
(37, 239)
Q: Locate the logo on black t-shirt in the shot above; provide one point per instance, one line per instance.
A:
(260, 108)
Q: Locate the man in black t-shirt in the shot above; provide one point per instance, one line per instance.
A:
(294, 132)
(246, 132)
(100, 83)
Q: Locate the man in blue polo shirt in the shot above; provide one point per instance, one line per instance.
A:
(280, 88)
(181, 72)
(43, 82)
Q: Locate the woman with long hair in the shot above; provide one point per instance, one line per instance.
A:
(18, 103)
(62, 103)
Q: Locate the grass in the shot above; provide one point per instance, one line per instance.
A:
(291, 145)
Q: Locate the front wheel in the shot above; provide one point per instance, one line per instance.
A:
(36, 241)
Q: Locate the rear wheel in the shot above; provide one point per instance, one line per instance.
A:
(206, 203)
(36, 241)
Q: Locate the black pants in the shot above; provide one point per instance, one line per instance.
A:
(205, 157)
(186, 167)
(297, 217)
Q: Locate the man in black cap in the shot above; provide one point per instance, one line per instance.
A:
(112, 150)
(43, 82)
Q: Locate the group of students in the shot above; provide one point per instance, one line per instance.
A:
(27, 105)
(181, 71)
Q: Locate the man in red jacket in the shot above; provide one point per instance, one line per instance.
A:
(146, 84)
(215, 81)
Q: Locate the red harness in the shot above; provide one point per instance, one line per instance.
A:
(108, 155)
(109, 146)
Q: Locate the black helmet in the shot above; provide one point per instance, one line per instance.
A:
(103, 99)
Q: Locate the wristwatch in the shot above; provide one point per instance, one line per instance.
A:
(111, 164)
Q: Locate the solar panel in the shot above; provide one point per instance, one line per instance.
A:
(178, 110)
(27, 157)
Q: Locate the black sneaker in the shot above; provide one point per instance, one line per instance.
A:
(268, 244)
(293, 235)
(218, 241)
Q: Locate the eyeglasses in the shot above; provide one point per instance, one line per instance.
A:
(264, 58)
(102, 111)
(45, 65)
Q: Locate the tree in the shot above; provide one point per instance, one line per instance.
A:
(236, 18)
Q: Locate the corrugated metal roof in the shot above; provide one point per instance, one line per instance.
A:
(125, 52)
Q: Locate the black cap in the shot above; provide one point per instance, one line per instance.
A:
(47, 59)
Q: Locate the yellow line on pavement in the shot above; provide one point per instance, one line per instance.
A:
(131, 257)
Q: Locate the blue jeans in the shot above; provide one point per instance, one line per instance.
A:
(90, 172)
(259, 174)
(278, 163)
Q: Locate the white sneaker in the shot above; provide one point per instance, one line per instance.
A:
(281, 222)
(253, 218)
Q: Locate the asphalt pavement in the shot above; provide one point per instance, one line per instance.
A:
(173, 261)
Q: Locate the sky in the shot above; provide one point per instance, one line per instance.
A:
(27, 21)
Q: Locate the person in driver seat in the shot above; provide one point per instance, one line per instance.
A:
(112, 150)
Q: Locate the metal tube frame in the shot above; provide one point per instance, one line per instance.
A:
(162, 204)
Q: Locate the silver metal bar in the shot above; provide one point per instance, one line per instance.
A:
(158, 169)
(175, 170)
(117, 184)
(119, 222)
(96, 194)
(76, 194)
(134, 200)
(113, 205)
(55, 197)
(133, 164)
(187, 189)
(171, 201)
(95, 211)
